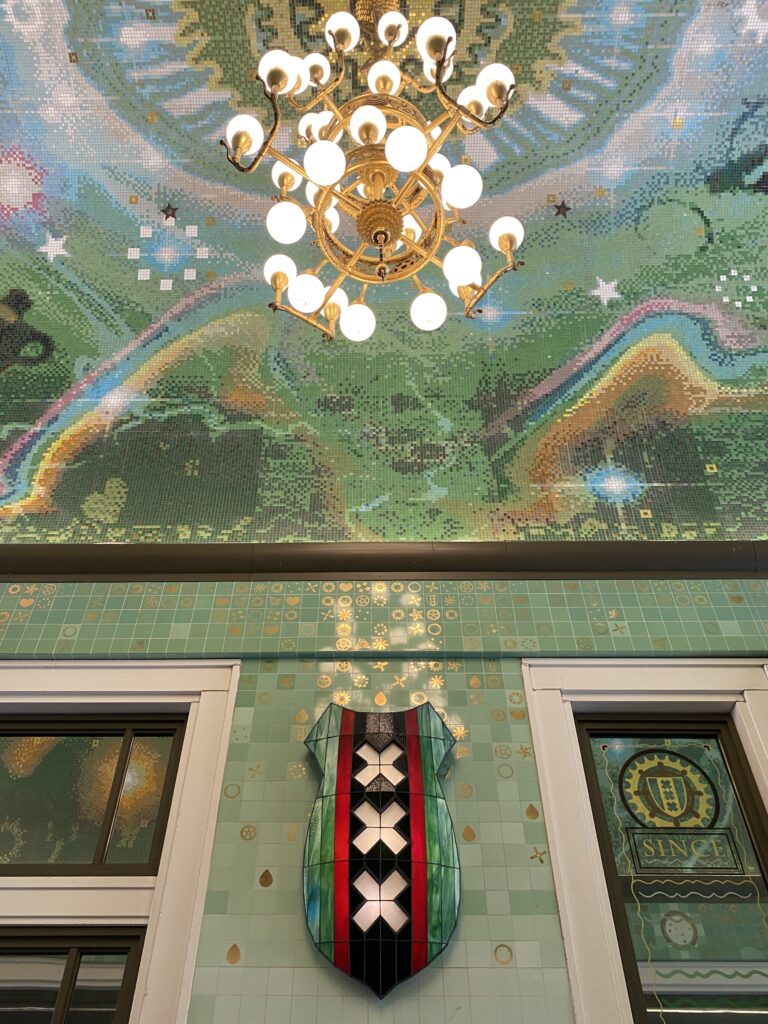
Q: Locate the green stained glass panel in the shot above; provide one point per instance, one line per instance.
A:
(689, 876)
(140, 797)
(53, 795)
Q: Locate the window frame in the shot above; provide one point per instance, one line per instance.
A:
(116, 725)
(632, 723)
(77, 941)
(557, 690)
(168, 905)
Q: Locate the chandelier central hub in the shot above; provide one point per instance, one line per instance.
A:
(382, 196)
(380, 224)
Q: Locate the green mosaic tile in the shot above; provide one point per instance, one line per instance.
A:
(361, 619)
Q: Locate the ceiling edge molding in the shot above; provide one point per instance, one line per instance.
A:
(418, 560)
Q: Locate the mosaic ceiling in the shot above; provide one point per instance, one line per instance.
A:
(616, 388)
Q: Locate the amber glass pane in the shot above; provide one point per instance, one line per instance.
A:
(29, 985)
(97, 988)
(53, 793)
(137, 809)
(689, 876)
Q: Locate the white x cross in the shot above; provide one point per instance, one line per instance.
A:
(380, 900)
(379, 763)
(379, 826)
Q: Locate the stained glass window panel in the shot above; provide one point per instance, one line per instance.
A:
(86, 794)
(689, 878)
(53, 795)
(140, 798)
(97, 988)
(29, 986)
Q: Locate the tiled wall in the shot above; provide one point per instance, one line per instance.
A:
(362, 619)
(505, 962)
(382, 645)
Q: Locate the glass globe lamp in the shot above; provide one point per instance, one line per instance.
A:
(440, 164)
(357, 322)
(474, 100)
(368, 125)
(506, 234)
(342, 27)
(322, 121)
(306, 293)
(495, 81)
(300, 73)
(279, 264)
(462, 265)
(284, 177)
(277, 71)
(244, 135)
(325, 163)
(392, 28)
(428, 311)
(307, 127)
(318, 68)
(462, 187)
(411, 225)
(286, 223)
(332, 220)
(406, 148)
(433, 36)
(384, 77)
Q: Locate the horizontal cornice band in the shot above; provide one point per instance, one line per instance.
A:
(469, 560)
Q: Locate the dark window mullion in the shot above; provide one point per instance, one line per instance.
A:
(67, 987)
(110, 810)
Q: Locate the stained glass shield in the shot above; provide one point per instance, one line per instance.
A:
(381, 863)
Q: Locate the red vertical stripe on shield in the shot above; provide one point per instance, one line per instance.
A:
(341, 844)
(418, 845)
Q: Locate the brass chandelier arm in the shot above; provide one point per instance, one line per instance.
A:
(264, 148)
(344, 274)
(450, 104)
(406, 79)
(326, 91)
(413, 245)
(471, 301)
(311, 320)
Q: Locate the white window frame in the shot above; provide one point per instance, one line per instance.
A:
(558, 688)
(170, 904)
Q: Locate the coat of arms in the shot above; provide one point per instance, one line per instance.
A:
(663, 789)
(381, 864)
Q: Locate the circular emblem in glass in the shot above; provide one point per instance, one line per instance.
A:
(662, 789)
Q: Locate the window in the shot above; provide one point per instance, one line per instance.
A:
(51, 976)
(110, 774)
(86, 796)
(684, 848)
(654, 782)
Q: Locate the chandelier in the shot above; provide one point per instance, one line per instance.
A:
(381, 198)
